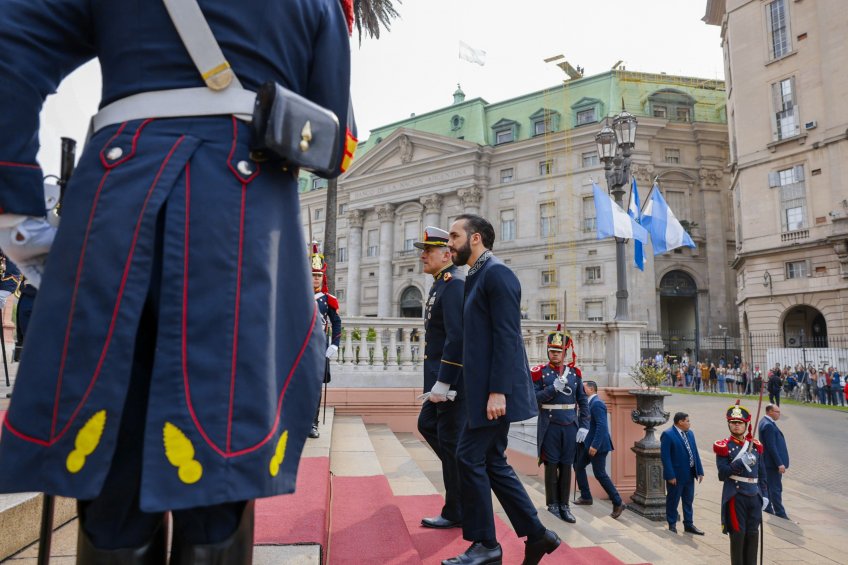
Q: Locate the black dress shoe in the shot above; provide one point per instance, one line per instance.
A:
(565, 514)
(617, 510)
(672, 528)
(313, 433)
(440, 523)
(583, 502)
(554, 509)
(693, 530)
(477, 554)
(533, 552)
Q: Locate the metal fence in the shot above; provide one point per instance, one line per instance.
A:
(769, 348)
(703, 348)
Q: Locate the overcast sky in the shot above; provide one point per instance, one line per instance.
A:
(415, 67)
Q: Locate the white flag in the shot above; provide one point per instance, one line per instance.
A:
(468, 53)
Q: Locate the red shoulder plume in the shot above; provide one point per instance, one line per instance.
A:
(347, 7)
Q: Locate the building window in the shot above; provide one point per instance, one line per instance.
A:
(410, 235)
(785, 121)
(504, 136)
(684, 115)
(319, 183)
(506, 175)
(588, 213)
(594, 310)
(590, 159)
(796, 269)
(586, 116)
(341, 250)
(544, 121)
(793, 197)
(507, 225)
(549, 310)
(593, 274)
(778, 28)
(678, 202)
(549, 277)
(373, 243)
(340, 294)
(672, 156)
(547, 216)
(546, 167)
(660, 112)
(342, 209)
(541, 127)
(319, 213)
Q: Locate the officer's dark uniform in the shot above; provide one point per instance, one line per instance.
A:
(331, 322)
(177, 275)
(559, 419)
(744, 490)
(12, 281)
(441, 422)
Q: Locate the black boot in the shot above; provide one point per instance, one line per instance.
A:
(551, 491)
(752, 542)
(154, 552)
(564, 489)
(235, 550)
(737, 548)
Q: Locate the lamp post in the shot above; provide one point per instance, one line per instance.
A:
(615, 145)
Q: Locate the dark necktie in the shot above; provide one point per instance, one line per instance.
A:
(688, 449)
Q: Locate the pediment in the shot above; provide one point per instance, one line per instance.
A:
(406, 147)
(585, 102)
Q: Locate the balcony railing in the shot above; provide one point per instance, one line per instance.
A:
(796, 235)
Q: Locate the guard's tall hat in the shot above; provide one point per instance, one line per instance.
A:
(738, 413)
(561, 341)
(433, 237)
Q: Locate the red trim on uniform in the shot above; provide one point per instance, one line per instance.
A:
(731, 510)
(238, 175)
(347, 8)
(536, 372)
(133, 145)
(25, 437)
(720, 448)
(21, 165)
(332, 302)
(234, 355)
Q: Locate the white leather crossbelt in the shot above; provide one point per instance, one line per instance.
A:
(558, 406)
(750, 480)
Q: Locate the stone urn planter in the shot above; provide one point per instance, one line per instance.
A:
(649, 497)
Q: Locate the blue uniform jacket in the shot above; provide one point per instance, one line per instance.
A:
(726, 451)
(543, 381)
(239, 341)
(675, 458)
(775, 453)
(10, 278)
(443, 330)
(328, 310)
(598, 436)
(493, 353)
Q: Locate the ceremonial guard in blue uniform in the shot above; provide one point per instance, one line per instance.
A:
(331, 322)
(739, 459)
(443, 412)
(562, 410)
(10, 279)
(498, 390)
(178, 337)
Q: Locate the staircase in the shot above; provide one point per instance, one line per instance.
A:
(362, 491)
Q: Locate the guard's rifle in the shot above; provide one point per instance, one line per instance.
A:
(69, 148)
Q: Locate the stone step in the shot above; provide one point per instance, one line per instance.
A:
(20, 520)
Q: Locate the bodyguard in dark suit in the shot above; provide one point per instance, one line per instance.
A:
(498, 390)
(443, 414)
(681, 465)
(775, 459)
(596, 447)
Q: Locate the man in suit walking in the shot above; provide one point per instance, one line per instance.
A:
(596, 447)
(681, 465)
(498, 390)
(775, 459)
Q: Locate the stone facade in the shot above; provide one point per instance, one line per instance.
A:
(527, 164)
(788, 154)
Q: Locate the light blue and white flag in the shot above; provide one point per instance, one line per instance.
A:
(612, 221)
(634, 211)
(666, 231)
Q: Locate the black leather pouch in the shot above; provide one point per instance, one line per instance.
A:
(296, 130)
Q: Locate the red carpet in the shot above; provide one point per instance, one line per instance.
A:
(300, 517)
(367, 527)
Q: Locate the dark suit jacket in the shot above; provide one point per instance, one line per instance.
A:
(493, 355)
(598, 436)
(675, 458)
(775, 453)
(443, 330)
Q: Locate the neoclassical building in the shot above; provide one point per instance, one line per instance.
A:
(528, 164)
(787, 121)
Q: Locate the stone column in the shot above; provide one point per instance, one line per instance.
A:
(355, 219)
(386, 215)
(622, 351)
(432, 217)
(470, 198)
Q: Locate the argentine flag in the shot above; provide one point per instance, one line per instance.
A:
(612, 221)
(634, 212)
(666, 231)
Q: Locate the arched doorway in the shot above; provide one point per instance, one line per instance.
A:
(679, 314)
(804, 326)
(411, 303)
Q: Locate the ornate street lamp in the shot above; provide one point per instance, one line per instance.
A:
(606, 141)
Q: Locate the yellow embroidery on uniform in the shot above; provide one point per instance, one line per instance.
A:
(86, 442)
(279, 454)
(180, 453)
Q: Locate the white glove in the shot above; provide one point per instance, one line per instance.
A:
(559, 384)
(27, 244)
(439, 392)
(765, 503)
(748, 459)
(331, 351)
(581, 434)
